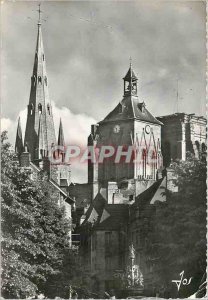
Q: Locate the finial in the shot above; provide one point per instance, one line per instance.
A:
(39, 14)
(130, 59)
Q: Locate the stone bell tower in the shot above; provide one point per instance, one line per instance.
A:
(129, 124)
(40, 132)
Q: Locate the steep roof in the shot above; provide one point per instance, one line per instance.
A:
(130, 75)
(130, 108)
(67, 198)
(116, 215)
(147, 196)
(110, 217)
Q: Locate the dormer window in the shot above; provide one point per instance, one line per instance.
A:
(39, 79)
(40, 108)
(141, 106)
(120, 109)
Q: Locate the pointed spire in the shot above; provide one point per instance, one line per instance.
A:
(61, 135)
(130, 74)
(19, 141)
(39, 102)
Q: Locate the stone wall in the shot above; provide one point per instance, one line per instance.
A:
(181, 133)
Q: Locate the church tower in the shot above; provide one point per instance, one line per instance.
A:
(40, 132)
(128, 125)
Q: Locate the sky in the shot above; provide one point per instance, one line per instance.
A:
(88, 45)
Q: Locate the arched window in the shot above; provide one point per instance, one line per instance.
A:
(43, 57)
(46, 81)
(153, 164)
(39, 79)
(48, 109)
(204, 147)
(144, 162)
(197, 148)
(40, 108)
(30, 109)
(197, 145)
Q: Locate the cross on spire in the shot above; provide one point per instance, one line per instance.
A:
(39, 14)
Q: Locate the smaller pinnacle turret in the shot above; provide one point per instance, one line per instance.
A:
(61, 141)
(19, 141)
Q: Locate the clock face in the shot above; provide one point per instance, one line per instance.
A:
(116, 128)
(147, 129)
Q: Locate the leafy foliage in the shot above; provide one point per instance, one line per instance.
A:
(178, 241)
(35, 232)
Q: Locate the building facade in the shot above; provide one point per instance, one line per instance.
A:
(183, 133)
(129, 126)
(124, 195)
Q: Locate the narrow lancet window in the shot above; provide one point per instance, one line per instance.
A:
(39, 80)
(144, 162)
(48, 109)
(40, 108)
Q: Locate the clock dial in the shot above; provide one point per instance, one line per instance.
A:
(116, 128)
(147, 129)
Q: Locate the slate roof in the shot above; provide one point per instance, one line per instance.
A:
(110, 217)
(97, 204)
(132, 109)
(62, 190)
(148, 194)
(130, 75)
(118, 215)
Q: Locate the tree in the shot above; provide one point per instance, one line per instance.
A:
(178, 241)
(35, 232)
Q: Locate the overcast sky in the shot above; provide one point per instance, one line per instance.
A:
(87, 48)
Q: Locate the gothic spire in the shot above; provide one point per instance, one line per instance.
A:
(39, 103)
(19, 141)
(61, 135)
